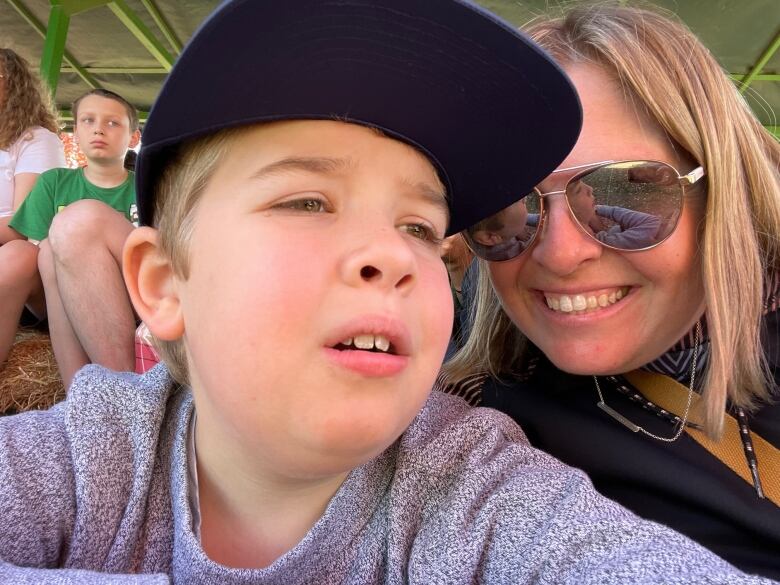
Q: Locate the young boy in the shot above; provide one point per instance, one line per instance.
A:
(84, 216)
(293, 279)
(105, 126)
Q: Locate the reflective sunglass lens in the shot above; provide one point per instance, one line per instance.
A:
(508, 233)
(628, 205)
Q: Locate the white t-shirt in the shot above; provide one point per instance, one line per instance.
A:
(35, 151)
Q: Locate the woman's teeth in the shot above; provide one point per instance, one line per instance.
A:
(584, 303)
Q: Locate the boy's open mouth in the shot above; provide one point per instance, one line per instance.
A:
(367, 342)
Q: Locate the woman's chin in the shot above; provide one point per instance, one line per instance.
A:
(585, 363)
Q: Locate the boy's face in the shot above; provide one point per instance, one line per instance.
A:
(103, 129)
(308, 235)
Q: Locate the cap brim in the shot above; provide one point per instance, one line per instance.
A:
(492, 112)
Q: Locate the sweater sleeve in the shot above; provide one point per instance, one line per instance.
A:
(509, 513)
(24, 576)
(632, 229)
(36, 488)
(38, 506)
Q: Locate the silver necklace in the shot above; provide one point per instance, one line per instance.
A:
(636, 428)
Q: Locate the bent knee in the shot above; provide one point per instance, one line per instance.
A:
(18, 261)
(84, 223)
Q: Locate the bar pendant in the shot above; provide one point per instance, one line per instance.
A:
(618, 417)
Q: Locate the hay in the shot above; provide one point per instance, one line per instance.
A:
(30, 379)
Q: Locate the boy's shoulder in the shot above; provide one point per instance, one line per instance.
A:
(58, 174)
(99, 396)
(450, 439)
(449, 418)
(97, 392)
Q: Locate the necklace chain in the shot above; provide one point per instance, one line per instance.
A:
(681, 425)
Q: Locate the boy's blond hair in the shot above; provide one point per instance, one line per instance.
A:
(177, 194)
(664, 69)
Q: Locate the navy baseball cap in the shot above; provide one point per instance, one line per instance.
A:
(491, 110)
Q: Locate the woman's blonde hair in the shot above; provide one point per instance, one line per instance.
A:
(26, 104)
(664, 68)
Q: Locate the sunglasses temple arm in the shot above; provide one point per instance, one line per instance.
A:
(692, 177)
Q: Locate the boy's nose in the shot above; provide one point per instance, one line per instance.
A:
(383, 259)
(561, 247)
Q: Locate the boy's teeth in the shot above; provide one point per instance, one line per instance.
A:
(364, 342)
(581, 303)
(368, 342)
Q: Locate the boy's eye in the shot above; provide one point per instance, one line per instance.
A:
(422, 232)
(309, 205)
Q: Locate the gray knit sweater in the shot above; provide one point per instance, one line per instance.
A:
(97, 487)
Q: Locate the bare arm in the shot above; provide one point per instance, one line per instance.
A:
(6, 233)
(23, 184)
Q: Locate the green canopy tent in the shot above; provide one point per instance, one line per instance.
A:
(128, 46)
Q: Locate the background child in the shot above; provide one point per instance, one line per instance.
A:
(294, 278)
(85, 215)
(29, 143)
(105, 126)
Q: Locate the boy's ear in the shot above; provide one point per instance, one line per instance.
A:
(134, 139)
(152, 284)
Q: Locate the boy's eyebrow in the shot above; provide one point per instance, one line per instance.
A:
(95, 112)
(432, 195)
(319, 165)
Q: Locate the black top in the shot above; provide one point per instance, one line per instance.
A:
(679, 484)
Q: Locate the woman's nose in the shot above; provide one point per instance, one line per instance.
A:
(562, 245)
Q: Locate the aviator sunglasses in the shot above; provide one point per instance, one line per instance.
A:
(626, 205)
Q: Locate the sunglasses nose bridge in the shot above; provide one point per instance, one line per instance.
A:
(545, 206)
(561, 244)
(564, 212)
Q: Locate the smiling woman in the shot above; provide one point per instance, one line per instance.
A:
(641, 291)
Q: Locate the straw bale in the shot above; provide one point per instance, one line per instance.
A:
(30, 379)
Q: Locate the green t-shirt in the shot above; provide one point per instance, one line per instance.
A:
(56, 189)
